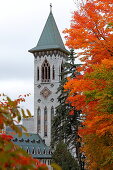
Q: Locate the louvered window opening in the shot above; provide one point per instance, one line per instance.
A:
(45, 71)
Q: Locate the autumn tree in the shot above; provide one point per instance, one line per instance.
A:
(11, 155)
(91, 31)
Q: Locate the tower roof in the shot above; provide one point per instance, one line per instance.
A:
(50, 37)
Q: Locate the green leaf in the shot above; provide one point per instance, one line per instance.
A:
(23, 113)
(29, 113)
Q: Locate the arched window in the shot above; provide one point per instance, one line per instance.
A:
(52, 113)
(38, 119)
(45, 121)
(53, 69)
(37, 73)
(28, 150)
(45, 71)
(33, 151)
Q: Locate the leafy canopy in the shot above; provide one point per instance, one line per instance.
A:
(11, 156)
(92, 32)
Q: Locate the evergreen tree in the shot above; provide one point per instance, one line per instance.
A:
(66, 121)
(63, 158)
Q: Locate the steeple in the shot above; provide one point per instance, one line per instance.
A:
(50, 37)
(49, 55)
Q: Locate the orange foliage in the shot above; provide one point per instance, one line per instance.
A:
(11, 156)
(92, 92)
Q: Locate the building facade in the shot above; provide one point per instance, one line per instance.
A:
(33, 145)
(49, 55)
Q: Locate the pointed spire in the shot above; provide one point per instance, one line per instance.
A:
(50, 37)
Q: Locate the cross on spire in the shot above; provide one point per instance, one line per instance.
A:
(50, 7)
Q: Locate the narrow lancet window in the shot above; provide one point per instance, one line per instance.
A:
(62, 70)
(45, 71)
(38, 120)
(52, 113)
(37, 73)
(45, 121)
(53, 69)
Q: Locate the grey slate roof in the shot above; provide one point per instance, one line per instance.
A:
(33, 144)
(50, 37)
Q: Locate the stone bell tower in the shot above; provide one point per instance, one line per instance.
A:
(49, 54)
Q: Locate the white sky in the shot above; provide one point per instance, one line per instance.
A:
(21, 24)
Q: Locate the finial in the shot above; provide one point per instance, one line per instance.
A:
(50, 7)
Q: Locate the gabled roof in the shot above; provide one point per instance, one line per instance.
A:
(50, 37)
(33, 144)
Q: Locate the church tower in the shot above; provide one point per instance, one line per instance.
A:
(49, 54)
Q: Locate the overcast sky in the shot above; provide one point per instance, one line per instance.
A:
(21, 24)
